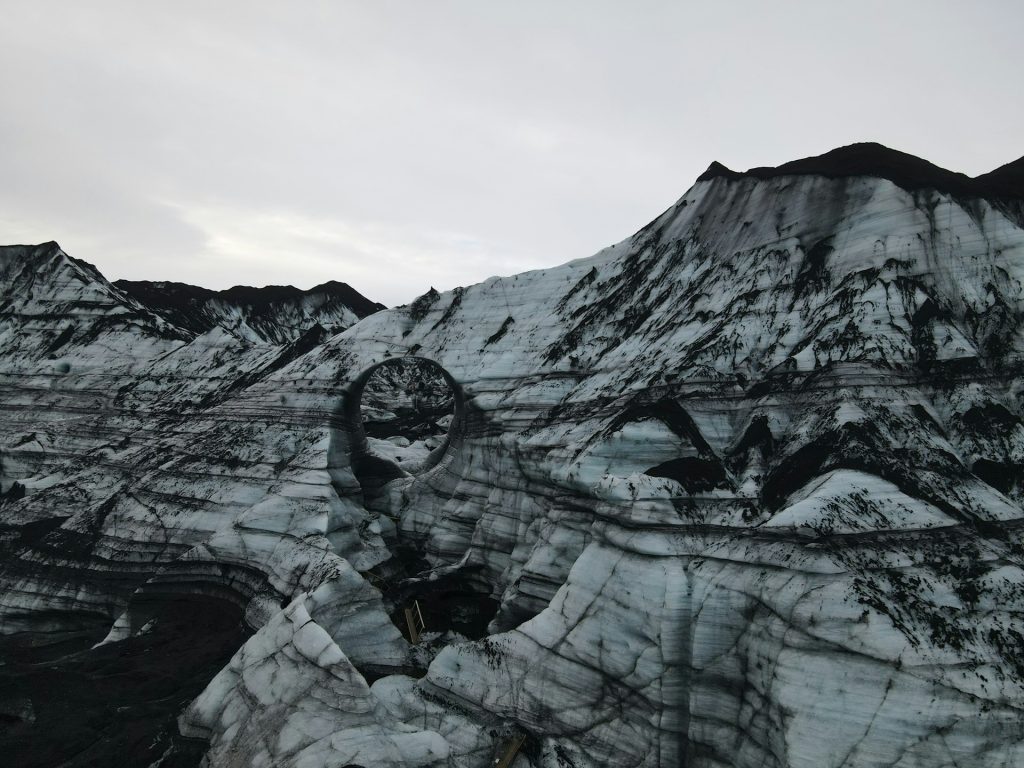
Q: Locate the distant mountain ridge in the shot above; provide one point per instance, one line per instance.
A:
(277, 313)
(43, 285)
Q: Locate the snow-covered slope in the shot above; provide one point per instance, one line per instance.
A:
(742, 490)
(86, 362)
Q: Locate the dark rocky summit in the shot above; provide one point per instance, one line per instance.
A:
(875, 160)
(742, 490)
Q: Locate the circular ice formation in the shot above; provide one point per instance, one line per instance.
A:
(378, 450)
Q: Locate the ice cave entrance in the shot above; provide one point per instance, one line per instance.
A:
(407, 408)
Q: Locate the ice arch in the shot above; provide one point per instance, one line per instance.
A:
(371, 470)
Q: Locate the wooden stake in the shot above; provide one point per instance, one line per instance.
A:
(410, 621)
(511, 750)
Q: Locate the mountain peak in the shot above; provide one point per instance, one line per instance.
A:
(903, 169)
(718, 171)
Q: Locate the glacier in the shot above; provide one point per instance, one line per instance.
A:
(741, 490)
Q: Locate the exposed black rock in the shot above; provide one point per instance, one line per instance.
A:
(267, 310)
(907, 171)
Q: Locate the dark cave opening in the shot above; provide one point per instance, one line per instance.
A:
(71, 704)
(450, 602)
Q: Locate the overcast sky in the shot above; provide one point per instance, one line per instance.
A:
(402, 145)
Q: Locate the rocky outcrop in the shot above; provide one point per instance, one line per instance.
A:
(742, 490)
